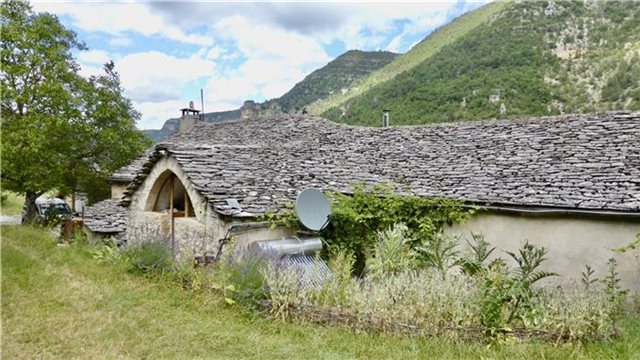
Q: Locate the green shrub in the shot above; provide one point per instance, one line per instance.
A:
(481, 250)
(243, 271)
(108, 253)
(357, 219)
(337, 290)
(148, 257)
(439, 253)
(391, 253)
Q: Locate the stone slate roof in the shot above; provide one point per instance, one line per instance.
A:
(128, 172)
(106, 216)
(580, 162)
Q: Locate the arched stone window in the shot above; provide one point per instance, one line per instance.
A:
(168, 194)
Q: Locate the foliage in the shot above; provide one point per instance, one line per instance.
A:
(283, 289)
(148, 257)
(439, 253)
(496, 301)
(46, 290)
(59, 130)
(530, 58)
(108, 253)
(614, 292)
(11, 204)
(288, 218)
(587, 278)
(632, 246)
(357, 218)
(481, 250)
(338, 74)
(494, 286)
(522, 294)
(420, 53)
(391, 253)
(336, 291)
(242, 277)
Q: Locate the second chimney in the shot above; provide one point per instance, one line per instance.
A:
(189, 118)
(385, 118)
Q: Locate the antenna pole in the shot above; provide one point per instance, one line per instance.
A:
(202, 104)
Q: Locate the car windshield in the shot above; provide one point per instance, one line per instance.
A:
(54, 208)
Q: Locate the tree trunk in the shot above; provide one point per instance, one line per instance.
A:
(29, 211)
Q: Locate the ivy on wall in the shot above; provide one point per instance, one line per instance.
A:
(357, 218)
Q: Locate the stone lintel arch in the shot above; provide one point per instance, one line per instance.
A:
(146, 198)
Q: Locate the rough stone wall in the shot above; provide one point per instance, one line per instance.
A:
(192, 235)
(572, 242)
(118, 189)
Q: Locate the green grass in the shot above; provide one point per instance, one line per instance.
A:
(58, 302)
(13, 204)
(441, 37)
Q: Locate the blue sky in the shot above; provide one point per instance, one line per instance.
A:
(166, 51)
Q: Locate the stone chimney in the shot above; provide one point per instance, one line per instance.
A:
(385, 118)
(248, 110)
(190, 117)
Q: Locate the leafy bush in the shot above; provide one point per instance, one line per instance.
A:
(392, 254)
(492, 299)
(243, 271)
(439, 253)
(148, 257)
(108, 253)
(481, 250)
(357, 219)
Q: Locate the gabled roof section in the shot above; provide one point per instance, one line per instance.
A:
(127, 173)
(583, 162)
(106, 217)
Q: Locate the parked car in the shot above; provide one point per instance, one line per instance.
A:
(50, 209)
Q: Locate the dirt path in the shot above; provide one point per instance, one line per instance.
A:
(10, 219)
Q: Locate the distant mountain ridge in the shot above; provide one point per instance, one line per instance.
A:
(524, 59)
(337, 76)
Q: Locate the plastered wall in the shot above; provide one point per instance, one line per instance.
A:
(571, 241)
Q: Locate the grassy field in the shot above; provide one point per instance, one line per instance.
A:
(13, 204)
(58, 302)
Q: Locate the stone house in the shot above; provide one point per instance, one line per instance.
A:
(570, 183)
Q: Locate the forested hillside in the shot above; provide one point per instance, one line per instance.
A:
(530, 58)
(335, 77)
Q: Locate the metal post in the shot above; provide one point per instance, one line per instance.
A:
(202, 104)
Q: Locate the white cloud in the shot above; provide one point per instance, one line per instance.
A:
(94, 57)
(154, 72)
(120, 41)
(118, 18)
(267, 41)
(154, 113)
(276, 60)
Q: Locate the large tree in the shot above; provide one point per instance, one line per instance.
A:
(59, 130)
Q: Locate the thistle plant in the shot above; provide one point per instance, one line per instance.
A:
(440, 253)
(392, 254)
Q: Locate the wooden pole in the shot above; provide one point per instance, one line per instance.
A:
(186, 203)
(173, 234)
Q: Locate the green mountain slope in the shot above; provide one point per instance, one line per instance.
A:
(419, 53)
(335, 77)
(531, 58)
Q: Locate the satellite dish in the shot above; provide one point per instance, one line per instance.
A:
(313, 209)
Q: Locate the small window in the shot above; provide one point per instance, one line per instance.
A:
(173, 197)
